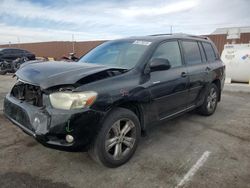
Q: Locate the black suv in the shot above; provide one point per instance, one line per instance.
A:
(104, 102)
(10, 54)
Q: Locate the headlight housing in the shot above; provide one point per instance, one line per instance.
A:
(72, 100)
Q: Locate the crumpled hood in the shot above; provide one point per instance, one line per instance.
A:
(48, 74)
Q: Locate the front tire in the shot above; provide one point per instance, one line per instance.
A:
(118, 138)
(210, 102)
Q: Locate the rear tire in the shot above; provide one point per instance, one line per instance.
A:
(210, 102)
(17, 66)
(3, 70)
(118, 138)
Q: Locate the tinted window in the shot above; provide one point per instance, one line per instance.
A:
(26, 52)
(191, 52)
(209, 51)
(203, 56)
(17, 51)
(7, 51)
(171, 51)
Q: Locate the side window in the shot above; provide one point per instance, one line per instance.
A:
(191, 52)
(171, 51)
(209, 51)
(7, 52)
(19, 51)
(203, 56)
(14, 51)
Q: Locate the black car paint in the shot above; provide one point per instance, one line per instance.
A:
(153, 96)
(10, 54)
(58, 73)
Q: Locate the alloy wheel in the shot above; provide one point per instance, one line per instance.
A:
(2, 67)
(212, 99)
(120, 139)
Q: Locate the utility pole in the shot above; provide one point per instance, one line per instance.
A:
(73, 44)
(171, 29)
(18, 41)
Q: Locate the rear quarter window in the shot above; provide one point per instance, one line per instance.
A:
(209, 50)
(17, 51)
(191, 52)
(25, 51)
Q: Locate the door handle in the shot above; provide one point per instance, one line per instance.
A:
(184, 74)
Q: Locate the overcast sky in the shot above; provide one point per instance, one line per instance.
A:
(52, 20)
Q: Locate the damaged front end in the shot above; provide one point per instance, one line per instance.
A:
(29, 107)
(51, 103)
(29, 93)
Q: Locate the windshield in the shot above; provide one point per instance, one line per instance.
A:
(122, 54)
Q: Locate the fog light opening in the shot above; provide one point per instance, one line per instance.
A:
(69, 138)
(36, 122)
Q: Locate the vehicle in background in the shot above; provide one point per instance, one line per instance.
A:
(70, 58)
(11, 54)
(13, 66)
(12, 58)
(42, 58)
(103, 102)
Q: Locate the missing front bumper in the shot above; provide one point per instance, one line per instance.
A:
(50, 126)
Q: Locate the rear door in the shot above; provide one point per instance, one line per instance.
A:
(169, 87)
(197, 67)
(17, 53)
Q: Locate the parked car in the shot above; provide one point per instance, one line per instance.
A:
(11, 59)
(10, 54)
(12, 66)
(70, 58)
(103, 102)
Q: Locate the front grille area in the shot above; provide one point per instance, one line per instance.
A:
(28, 93)
(17, 113)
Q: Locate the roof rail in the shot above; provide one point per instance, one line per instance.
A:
(182, 34)
(155, 35)
(199, 36)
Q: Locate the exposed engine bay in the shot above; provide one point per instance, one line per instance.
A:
(28, 93)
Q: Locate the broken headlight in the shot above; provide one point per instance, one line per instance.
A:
(72, 100)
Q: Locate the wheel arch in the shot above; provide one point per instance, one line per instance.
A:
(137, 109)
(217, 82)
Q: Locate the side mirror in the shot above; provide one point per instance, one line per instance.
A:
(159, 64)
